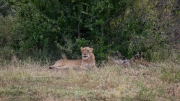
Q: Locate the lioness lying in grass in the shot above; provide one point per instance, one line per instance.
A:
(87, 61)
(135, 60)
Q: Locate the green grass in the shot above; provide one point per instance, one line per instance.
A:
(29, 81)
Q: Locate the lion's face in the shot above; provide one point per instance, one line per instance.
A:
(86, 52)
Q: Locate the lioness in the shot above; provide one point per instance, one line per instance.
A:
(135, 60)
(87, 61)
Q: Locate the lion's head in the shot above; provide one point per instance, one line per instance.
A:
(86, 52)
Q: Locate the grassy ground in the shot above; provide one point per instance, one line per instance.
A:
(28, 81)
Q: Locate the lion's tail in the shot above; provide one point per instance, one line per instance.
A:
(63, 56)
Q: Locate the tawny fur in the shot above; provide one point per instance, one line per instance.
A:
(136, 60)
(88, 58)
(87, 61)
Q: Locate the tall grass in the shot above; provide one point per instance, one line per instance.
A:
(28, 80)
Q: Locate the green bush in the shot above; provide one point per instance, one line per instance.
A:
(66, 25)
(47, 29)
(6, 25)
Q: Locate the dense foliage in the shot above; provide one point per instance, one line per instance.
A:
(47, 28)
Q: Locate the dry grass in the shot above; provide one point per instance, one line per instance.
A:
(28, 81)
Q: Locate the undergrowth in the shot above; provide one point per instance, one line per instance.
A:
(32, 81)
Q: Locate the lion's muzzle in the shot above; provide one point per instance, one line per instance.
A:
(85, 56)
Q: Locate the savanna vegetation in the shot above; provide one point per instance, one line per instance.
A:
(34, 33)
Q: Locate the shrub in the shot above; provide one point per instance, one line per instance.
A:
(6, 25)
(128, 26)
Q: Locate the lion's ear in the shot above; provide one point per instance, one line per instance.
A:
(81, 48)
(91, 49)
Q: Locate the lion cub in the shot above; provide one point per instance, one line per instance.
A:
(87, 61)
(88, 58)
